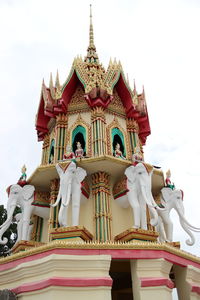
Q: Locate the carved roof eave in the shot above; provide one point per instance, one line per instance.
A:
(42, 118)
(131, 109)
(49, 107)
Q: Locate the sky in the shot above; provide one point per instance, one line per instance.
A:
(158, 45)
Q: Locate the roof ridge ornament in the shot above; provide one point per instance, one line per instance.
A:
(51, 87)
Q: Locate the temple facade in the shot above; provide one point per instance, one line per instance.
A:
(88, 227)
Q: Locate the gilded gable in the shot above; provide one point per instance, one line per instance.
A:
(116, 104)
(78, 102)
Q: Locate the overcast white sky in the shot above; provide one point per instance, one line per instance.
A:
(158, 44)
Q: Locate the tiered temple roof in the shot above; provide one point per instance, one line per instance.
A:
(98, 85)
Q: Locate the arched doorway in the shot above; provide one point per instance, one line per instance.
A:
(79, 135)
(118, 138)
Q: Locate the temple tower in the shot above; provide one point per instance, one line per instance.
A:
(82, 236)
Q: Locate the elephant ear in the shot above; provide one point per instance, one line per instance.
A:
(166, 193)
(28, 191)
(130, 173)
(80, 174)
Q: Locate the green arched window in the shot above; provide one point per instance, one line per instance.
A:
(79, 135)
(118, 137)
(51, 152)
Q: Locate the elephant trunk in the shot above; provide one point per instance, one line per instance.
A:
(6, 225)
(186, 226)
(66, 200)
(186, 229)
(152, 210)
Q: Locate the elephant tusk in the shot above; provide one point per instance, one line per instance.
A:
(57, 200)
(193, 228)
(187, 230)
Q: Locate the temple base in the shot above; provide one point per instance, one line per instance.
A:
(71, 234)
(133, 234)
(25, 245)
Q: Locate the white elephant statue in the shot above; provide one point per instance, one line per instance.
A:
(138, 194)
(173, 199)
(70, 189)
(23, 197)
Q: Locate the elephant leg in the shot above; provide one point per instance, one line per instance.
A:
(134, 202)
(161, 230)
(62, 216)
(76, 195)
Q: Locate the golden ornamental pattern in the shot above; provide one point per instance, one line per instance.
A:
(116, 104)
(78, 101)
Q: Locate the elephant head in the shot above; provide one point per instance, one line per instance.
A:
(67, 177)
(174, 199)
(139, 179)
(17, 195)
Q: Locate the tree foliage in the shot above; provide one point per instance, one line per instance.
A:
(10, 233)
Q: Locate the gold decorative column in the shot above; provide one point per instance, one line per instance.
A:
(53, 217)
(133, 129)
(101, 196)
(61, 133)
(98, 132)
(45, 150)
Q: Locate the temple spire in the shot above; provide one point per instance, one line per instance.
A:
(92, 56)
(91, 29)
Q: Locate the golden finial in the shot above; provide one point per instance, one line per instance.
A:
(51, 87)
(92, 56)
(58, 86)
(91, 29)
(143, 92)
(51, 81)
(127, 79)
(57, 82)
